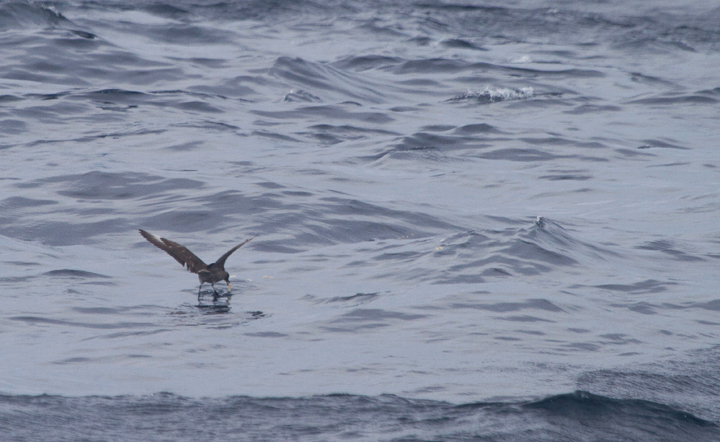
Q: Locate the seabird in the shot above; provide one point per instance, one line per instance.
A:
(211, 273)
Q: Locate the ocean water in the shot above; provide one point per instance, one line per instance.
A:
(488, 221)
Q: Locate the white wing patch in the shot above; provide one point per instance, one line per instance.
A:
(157, 238)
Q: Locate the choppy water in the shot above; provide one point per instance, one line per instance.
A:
(473, 221)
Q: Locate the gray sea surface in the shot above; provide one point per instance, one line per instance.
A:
(471, 220)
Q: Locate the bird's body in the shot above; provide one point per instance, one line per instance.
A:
(210, 273)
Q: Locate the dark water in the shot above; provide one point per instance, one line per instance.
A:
(568, 417)
(472, 220)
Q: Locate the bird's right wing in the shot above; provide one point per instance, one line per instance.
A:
(221, 260)
(181, 254)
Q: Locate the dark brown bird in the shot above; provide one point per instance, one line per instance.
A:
(211, 273)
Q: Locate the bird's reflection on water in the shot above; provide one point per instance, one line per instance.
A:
(213, 310)
(214, 302)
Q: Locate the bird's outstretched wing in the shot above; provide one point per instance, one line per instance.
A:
(221, 261)
(181, 254)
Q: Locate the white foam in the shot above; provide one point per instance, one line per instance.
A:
(491, 94)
